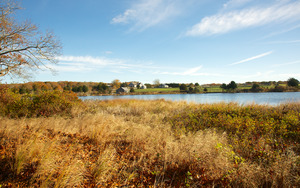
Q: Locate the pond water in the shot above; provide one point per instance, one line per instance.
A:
(271, 98)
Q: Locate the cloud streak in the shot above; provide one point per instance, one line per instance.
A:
(148, 13)
(235, 3)
(285, 42)
(90, 64)
(245, 18)
(188, 72)
(252, 58)
(89, 59)
(289, 63)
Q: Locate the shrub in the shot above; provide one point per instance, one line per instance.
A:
(54, 103)
(46, 103)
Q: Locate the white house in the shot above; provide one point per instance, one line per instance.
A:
(132, 85)
(142, 86)
(163, 86)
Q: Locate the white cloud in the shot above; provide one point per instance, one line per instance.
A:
(281, 31)
(290, 75)
(89, 59)
(90, 64)
(235, 3)
(250, 17)
(257, 75)
(285, 42)
(72, 67)
(147, 13)
(188, 72)
(252, 58)
(289, 63)
(108, 52)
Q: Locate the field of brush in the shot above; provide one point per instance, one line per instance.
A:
(153, 144)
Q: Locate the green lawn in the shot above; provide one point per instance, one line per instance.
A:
(156, 90)
(211, 89)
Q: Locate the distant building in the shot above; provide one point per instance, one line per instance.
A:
(142, 86)
(122, 90)
(133, 85)
(163, 86)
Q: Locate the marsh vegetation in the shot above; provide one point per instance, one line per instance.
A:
(152, 144)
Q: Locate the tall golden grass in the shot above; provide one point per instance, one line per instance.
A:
(146, 144)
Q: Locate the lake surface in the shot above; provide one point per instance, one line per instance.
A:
(271, 98)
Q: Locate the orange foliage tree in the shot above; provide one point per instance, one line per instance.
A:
(22, 46)
(116, 84)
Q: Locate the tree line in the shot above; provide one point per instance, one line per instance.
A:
(88, 88)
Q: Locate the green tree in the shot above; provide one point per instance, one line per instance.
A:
(67, 87)
(293, 82)
(255, 88)
(75, 89)
(183, 87)
(232, 85)
(131, 90)
(223, 86)
(197, 89)
(124, 84)
(79, 89)
(22, 90)
(148, 85)
(85, 88)
(197, 84)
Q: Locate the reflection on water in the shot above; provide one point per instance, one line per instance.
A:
(271, 98)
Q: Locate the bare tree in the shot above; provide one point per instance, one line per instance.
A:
(156, 82)
(22, 46)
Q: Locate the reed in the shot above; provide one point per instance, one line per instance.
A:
(153, 144)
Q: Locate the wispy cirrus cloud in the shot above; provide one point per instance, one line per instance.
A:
(91, 64)
(148, 13)
(235, 3)
(288, 63)
(290, 75)
(260, 75)
(245, 18)
(284, 42)
(252, 58)
(189, 72)
(90, 60)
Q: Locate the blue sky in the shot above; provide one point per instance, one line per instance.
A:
(204, 41)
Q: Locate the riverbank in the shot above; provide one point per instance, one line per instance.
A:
(271, 98)
(161, 91)
(160, 143)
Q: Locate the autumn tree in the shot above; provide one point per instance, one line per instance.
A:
(22, 47)
(116, 84)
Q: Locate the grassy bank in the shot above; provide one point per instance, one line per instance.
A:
(153, 144)
(158, 90)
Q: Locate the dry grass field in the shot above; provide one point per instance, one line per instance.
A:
(134, 143)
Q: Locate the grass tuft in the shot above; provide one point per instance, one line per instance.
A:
(154, 144)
